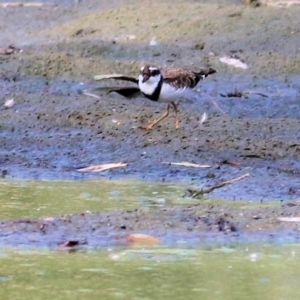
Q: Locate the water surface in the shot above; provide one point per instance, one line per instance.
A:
(184, 271)
(246, 272)
(29, 198)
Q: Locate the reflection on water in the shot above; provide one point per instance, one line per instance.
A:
(247, 272)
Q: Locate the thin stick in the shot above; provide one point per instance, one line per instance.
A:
(218, 107)
(280, 3)
(259, 94)
(99, 168)
(195, 193)
(28, 4)
(238, 94)
(86, 93)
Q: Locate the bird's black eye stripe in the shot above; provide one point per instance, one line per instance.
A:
(155, 72)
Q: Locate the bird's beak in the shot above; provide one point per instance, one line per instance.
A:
(145, 78)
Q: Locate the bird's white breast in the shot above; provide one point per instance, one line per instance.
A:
(169, 93)
(150, 85)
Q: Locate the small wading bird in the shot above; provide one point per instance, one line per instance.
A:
(167, 85)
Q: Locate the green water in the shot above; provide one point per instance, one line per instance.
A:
(23, 198)
(242, 272)
(246, 273)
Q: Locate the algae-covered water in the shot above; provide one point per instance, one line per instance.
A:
(247, 272)
(245, 247)
(181, 267)
(28, 198)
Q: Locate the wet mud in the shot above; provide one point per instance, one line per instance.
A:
(53, 129)
(178, 226)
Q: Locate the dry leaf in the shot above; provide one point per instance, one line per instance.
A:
(153, 42)
(233, 62)
(289, 219)
(100, 168)
(139, 238)
(203, 118)
(48, 219)
(280, 4)
(188, 164)
(86, 93)
(28, 4)
(9, 103)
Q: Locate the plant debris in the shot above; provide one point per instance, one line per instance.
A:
(22, 4)
(9, 50)
(142, 239)
(289, 219)
(233, 60)
(188, 164)
(100, 168)
(9, 103)
(236, 93)
(87, 93)
(195, 193)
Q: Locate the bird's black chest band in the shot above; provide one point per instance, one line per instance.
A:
(156, 93)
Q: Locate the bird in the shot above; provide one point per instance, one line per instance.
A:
(166, 85)
(169, 85)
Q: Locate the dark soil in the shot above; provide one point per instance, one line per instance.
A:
(53, 128)
(197, 225)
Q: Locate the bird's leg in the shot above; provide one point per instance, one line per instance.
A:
(150, 126)
(175, 106)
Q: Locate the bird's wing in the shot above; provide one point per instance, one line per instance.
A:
(205, 72)
(183, 78)
(127, 92)
(179, 78)
(117, 77)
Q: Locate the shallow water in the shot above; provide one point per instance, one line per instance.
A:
(186, 271)
(73, 131)
(31, 199)
(247, 272)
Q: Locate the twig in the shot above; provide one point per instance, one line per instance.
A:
(280, 3)
(236, 93)
(188, 164)
(86, 93)
(99, 168)
(20, 4)
(218, 107)
(194, 193)
(259, 94)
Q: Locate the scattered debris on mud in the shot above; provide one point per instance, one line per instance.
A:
(53, 128)
(196, 224)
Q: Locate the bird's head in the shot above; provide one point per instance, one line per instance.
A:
(150, 73)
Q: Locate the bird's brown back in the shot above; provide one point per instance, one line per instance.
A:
(182, 78)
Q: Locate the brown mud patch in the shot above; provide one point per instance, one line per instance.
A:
(197, 225)
(53, 128)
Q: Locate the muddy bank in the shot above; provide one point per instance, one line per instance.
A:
(196, 225)
(53, 129)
